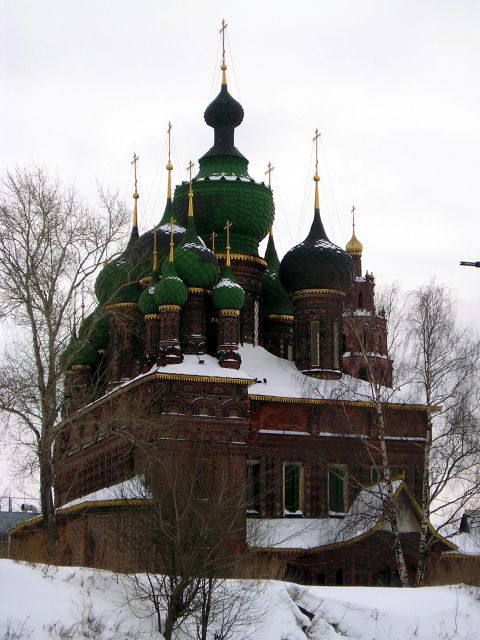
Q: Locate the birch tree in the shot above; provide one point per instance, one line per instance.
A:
(444, 371)
(437, 364)
(50, 244)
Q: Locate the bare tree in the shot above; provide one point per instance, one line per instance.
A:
(50, 244)
(444, 372)
(188, 547)
(378, 394)
(437, 364)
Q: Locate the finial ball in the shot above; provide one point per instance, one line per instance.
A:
(169, 166)
(316, 177)
(135, 195)
(223, 67)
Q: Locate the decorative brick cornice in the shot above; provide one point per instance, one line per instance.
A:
(229, 312)
(332, 293)
(242, 257)
(276, 316)
(165, 308)
(121, 305)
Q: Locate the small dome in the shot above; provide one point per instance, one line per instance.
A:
(276, 300)
(228, 294)
(316, 263)
(95, 328)
(196, 265)
(354, 246)
(116, 273)
(129, 292)
(170, 289)
(143, 250)
(224, 111)
(79, 353)
(146, 302)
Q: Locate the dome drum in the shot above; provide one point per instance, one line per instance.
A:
(247, 205)
(193, 323)
(169, 350)
(318, 333)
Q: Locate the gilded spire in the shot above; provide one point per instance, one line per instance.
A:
(354, 246)
(169, 166)
(135, 194)
(269, 171)
(316, 177)
(227, 229)
(223, 66)
(155, 252)
(190, 192)
(171, 223)
(213, 236)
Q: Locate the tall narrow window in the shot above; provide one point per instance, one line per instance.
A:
(292, 487)
(377, 475)
(253, 486)
(256, 321)
(336, 346)
(336, 489)
(315, 343)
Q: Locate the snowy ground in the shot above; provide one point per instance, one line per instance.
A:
(70, 603)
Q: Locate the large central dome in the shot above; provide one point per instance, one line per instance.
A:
(223, 190)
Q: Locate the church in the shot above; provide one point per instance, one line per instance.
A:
(258, 371)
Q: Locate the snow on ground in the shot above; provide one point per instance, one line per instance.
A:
(41, 603)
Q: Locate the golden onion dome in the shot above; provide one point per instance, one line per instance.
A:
(354, 246)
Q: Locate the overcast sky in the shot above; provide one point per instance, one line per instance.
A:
(393, 86)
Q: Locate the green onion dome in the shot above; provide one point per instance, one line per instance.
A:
(143, 250)
(95, 328)
(316, 263)
(79, 352)
(196, 265)
(223, 189)
(170, 289)
(276, 300)
(129, 292)
(228, 294)
(116, 273)
(146, 302)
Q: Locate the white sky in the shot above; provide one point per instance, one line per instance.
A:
(391, 84)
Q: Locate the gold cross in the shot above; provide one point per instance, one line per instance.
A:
(168, 133)
(222, 31)
(315, 139)
(353, 216)
(189, 169)
(134, 162)
(269, 171)
(227, 228)
(213, 236)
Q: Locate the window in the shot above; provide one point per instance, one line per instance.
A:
(377, 475)
(292, 487)
(336, 346)
(256, 321)
(336, 489)
(253, 485)
(315, 343)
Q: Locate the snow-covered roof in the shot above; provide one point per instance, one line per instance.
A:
(271, 377)
(131, 489)
(310, 533)
(364, 516)
(284, 380)
(468, 543)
